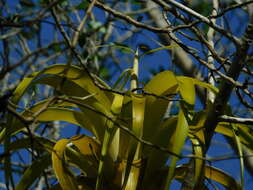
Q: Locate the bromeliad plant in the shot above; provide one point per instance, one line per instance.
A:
(133, 146)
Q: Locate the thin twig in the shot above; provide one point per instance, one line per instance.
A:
(76, 34)
(230, 119)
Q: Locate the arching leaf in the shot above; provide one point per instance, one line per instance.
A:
(187, 89)
(164, 83)
(213, 174)
(110, 136)
(179, 140)
(131, 174)
(64, 176)
(157, 159)
(56, 76)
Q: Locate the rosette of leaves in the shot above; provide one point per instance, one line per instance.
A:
(133, 146)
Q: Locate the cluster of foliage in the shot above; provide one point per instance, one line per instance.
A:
(132, 129)
(132, 142)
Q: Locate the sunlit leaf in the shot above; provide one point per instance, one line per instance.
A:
(187, 89)
(165, 83)
(179, 140)
(57, 76)
(213, 174)
(198, 149)
(111, 135)
(131, 174)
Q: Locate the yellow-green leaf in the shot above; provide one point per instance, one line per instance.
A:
(199, 163)
(164, 83)
(155, 109)
(60, 76)
(240, 152)
(211, 173)
(158, 49)
(205, 85)
(179, 140)
(187, 89)
(109, 136)
(64, 176)
(131, 178)
(221, 177)
(157, 159)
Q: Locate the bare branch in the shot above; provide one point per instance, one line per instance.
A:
(230, 119)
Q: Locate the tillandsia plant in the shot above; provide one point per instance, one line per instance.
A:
(133, 146)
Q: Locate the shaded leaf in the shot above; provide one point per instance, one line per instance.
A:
(33, 172)
(179, 140)
(65, 178)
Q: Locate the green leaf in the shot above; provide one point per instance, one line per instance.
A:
(33, 172)
(64, 176)
(187, 89)
(64, 114)
(240, 152)
(244, 132)
(221, 177)
(83, 5)
(130, 178)
(154, 112)
(211, 173)
(83, 154)
(111, 135)
(40, 143)
(199, 163)
(124, 76)
(205, 85)
(87, 145)
(158, 49)
(179, 140)
(61, 77)
(164, 83)
(157, 159)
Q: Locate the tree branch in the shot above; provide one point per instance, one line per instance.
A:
(230, 119)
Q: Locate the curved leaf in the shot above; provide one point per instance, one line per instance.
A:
(57, 76)
(131, 173)
(187, 89)
(157, 159)
(64, 176)
(56, 114)
(244, 132)
(240, 152)
(221, 177)
(33, 172)
(155, 110)
(91, 151)
(213, 174)
(92, 120)
(198, 163)
(111, 135)
(38, 143)
(164, 83)
(179, 140)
